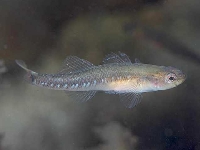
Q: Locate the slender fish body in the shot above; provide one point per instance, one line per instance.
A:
(118, 75)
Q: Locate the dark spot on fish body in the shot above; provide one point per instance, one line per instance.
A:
(37, 82)
(30, 78)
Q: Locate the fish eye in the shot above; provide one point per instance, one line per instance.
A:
(170, 78)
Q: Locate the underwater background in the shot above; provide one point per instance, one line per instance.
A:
(44, 32)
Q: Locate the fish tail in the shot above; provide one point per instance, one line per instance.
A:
(30, 75)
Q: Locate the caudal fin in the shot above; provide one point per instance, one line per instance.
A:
(30, 75)
(22, 64)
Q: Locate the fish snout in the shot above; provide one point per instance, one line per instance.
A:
(182, 76)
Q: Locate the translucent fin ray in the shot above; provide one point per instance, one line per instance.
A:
(73, 64)
(124, 57)
(80, 96)
(116, 58)
(130, 100)
(22, 64)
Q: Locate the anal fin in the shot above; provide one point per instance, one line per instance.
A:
(130, 100)
(80, 96)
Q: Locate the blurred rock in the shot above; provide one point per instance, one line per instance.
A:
(116, 137)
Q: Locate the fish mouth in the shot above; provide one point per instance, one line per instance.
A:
(182, 78)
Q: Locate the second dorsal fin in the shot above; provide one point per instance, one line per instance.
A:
(116, 58)
(73, 64)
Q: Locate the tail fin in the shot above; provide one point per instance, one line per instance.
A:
(22, 64)
(31, 75)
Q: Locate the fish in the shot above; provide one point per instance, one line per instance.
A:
(80, 79)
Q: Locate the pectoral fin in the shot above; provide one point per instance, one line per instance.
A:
(130, 100)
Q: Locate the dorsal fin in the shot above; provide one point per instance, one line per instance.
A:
(73, 64)
(114, 58)
(124, 57)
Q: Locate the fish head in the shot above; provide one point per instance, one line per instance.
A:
(168, 78)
